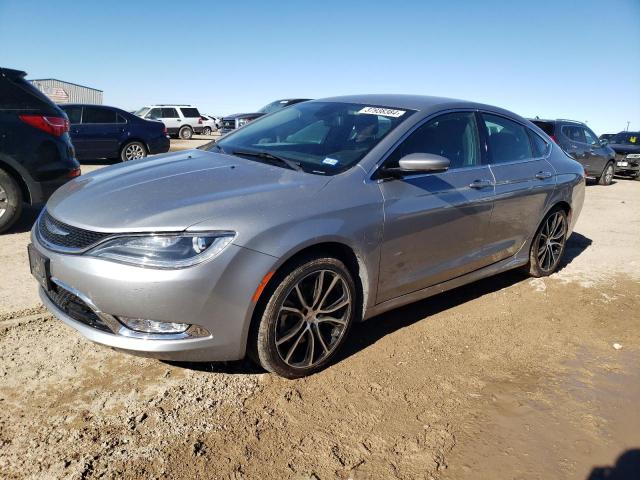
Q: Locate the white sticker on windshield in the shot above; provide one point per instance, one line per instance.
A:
(387, 112)
(330, 161)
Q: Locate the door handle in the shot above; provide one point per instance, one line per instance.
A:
(543, 175)
(480, 184)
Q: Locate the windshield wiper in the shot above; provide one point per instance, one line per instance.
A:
(270, 159)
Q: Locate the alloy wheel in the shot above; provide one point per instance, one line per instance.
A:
(313, 318)
(608, 175)
(551, 241)
(133, 152)
(4, 201)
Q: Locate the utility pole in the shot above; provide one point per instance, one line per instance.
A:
(627, 129)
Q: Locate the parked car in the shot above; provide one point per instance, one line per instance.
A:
(581, 143)
(99, 131)
(209, 124)
(36, 155)
(275, 239)
(231, 122)
(606, 137)
(627, 148)
(181, 120)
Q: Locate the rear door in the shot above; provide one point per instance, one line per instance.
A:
(171, 119)
(435, 223)
(100, 132)
(575, 144)
(524, 182)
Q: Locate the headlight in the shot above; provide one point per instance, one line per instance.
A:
(242, 121)
(164, 251)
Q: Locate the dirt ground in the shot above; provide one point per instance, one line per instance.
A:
(507, 378)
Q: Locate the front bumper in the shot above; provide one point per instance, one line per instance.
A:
(214, 295)
(626, 165)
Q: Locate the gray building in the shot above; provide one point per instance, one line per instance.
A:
(65, 92)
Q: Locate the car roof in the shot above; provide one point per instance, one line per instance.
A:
(556, 120)
(11, 73)
(423, 103)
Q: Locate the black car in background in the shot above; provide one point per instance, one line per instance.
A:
(99, 131)
(607, 136)
(627, 148)
(36, 154)
(582, 144)
(231, 122)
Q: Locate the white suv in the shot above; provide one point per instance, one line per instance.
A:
(180, 120)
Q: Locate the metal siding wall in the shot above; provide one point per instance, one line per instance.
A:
(75, 93)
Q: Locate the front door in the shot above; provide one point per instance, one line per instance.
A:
(435, 224)
(597, 154)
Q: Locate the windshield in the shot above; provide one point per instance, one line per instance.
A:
(627, 138)
(274, 106)
(322, 137)
(141, 112)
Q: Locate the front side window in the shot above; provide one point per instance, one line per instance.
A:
(190, 112)
(574, 133)
(453, 136)
(74, 114)
(98, 115)
(507, 140)
(322, 137)
(155, 113)
(590, 137)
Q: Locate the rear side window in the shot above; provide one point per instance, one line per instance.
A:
(508, 141)
(169, 113)
(574, 133)
(190, 112)
(590, 137)
(98, 115)
(539, 145)
(74, 114)
(453, 136)
(19, 93)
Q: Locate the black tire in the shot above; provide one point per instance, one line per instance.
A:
(539, 264)
(607, 174)
(185, 132)
(206, 131)
(10, 201)
(299, 332)
(133, 151)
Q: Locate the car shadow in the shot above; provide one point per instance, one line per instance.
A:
(627, 467)
(367, 333)
(26, 220)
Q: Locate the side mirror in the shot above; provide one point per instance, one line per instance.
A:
(604, 142)
(423, 162)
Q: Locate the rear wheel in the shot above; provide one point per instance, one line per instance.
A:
(133, 151)
(607, 175)
(307, 318)
(10, 201)
(185, 133)
(206, 130)
(548, 244)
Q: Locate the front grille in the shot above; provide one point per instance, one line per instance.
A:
(75, 308)
(58, 234)
(229, 124)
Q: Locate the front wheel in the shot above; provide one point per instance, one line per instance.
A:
(548, 244)
(133, 151)
(307, 318)
(185, 133)
(607, 175)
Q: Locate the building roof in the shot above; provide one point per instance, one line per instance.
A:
(63, 81)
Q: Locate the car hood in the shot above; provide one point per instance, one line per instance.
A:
(623, 148)
(242, 115)
(175, 191)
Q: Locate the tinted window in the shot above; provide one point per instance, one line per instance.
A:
(546, 127)
(19, 93)
(591, 137)
(169, 113)
(98, 115)
(627, 138)
(155, 113)
(574, 133)
(453, 136)
(190, 112)
(74, 114)
(539, 145)
(508, 141)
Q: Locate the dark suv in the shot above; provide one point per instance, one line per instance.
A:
(627, 148)
(36, 155)
(581, 143)
(98, 131)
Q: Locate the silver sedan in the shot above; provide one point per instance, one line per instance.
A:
(274, 240)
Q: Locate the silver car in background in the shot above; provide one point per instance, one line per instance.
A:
(274, 240)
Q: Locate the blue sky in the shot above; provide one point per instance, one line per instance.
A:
(556, 59)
